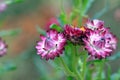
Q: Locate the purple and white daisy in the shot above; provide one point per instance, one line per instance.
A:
(100, 45)
(73, 34)
(3, 47)
(52, 45)
(95, 24)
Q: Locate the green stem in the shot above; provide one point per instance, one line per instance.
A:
(100, 70)
(84, 68)
(108, 71)
(74, 63)
(66, 69)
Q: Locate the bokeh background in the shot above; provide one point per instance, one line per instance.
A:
(25, 16)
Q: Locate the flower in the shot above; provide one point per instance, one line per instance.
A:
(3, 47)
(100, 45)
(50, 22)
(52, 45)
(3, 6)
(94, 24)
(74, 34)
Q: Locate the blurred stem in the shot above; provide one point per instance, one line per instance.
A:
(83, 67)
(66, 69)
(62, 5)
(75, 63)
(101, 69)
(109, 71)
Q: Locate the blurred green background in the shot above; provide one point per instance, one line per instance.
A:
(25, 16)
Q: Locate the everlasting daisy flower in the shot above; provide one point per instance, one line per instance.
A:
(100, 45)
(52, 45)
(74, 34)
(94, 24)
(3, 6)
(50, 22)
(3, 47)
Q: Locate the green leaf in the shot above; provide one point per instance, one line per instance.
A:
(9, 32)
(77, 3)
(54, 26)
(94, 61)
(70, 78)
(8, 66)
(62, 19)
(41, 31)
(86, 5)
(13, 1)
(18, 1)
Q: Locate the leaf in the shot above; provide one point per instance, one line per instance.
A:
(70, 78)
(77, 3)
(13, 1)
(54, 26)
(18, 1)
(62, 19)
(94, 61)
(7, 66)
(41, 31)
(9, 32)
(86, 5)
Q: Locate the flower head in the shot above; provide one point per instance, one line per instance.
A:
(3, 6)
(50, 22)
(94, 24)
(74, 34)
(3, 47)
(52, 45)
(100, 45)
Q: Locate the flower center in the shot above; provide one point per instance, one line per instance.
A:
(100, 43)
(49, 45)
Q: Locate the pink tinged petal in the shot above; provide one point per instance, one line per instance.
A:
(3, 47)
(51, 55)
(95, 24)
(38, 47)
(98, 22)
(52, 34)
(42, 37)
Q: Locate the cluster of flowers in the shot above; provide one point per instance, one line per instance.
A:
(94, 36)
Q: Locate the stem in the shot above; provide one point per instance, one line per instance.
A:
(100, 70)
(66, 69)
(108, 71)
(74, 63)
(84, 68)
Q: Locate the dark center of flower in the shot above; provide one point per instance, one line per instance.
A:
(100, 43)
(49, 45)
